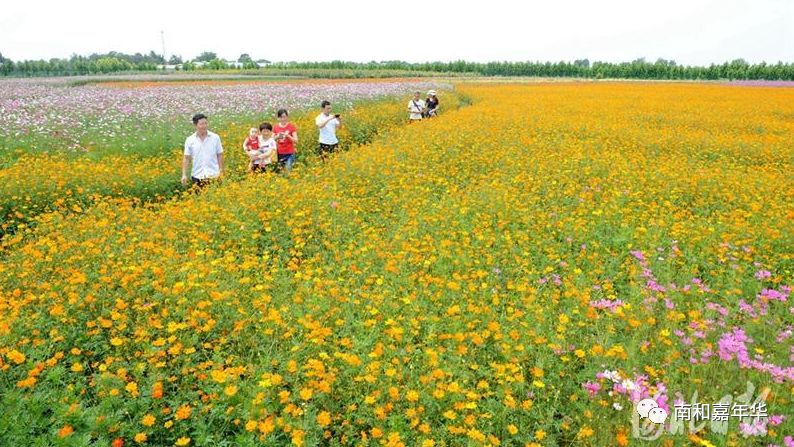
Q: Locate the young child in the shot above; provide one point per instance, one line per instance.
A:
(251, 146)
(267, 147)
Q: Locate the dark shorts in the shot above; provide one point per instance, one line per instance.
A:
(325, 149)
(201, 182)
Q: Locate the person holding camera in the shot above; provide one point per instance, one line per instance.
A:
(327, 124)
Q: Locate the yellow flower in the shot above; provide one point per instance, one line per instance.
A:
(585, 432)
(116, 341)
(230, 390)
(323, 418)
(540, 435)
(183, 441)
(512, 429)
(16, 357)
(148, 420)
(132, 388)
(140, 438)
(218, 376)
(297, 437)
(412, 396)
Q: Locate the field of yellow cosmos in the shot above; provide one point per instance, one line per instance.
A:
(519, 271)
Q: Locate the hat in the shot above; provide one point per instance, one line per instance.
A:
(431, 92)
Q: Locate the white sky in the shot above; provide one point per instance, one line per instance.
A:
(692, 32)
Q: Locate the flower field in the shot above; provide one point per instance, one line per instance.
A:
(516, 272)
(126, 140)
(146, 118)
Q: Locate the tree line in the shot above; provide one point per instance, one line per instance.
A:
(113, 62)
(637, 69)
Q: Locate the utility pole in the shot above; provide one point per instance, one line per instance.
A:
(162, 40)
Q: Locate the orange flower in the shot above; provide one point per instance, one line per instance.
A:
(118, 442)
(183, 412)
(157, 390)
(65, 431)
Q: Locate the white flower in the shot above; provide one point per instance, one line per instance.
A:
(617, 406)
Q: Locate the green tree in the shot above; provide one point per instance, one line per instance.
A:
(206, 57)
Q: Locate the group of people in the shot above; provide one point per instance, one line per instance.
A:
(269, 145)
(274, 145)
(419, 108)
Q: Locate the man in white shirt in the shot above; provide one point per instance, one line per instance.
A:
(327, 124)
(416, 107)
(205, 151)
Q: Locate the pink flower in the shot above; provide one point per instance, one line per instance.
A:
(756, 428)
(732, 344)
(592, 388)
(771, 294)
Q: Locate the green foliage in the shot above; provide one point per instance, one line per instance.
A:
(206, 56)
(582, 68)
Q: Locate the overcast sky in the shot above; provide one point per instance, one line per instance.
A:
(692, 32)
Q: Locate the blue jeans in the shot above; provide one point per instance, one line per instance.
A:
(286, 160)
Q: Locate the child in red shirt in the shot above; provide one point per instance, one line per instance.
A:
(251, 146)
